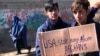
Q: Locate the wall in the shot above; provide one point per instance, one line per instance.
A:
(32, 18)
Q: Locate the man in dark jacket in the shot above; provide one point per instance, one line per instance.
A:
(82, 15)
(53, 22)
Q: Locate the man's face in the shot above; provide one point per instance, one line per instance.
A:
(53, 14)
(80, 16)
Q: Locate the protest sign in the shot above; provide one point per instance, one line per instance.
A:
(73, 40)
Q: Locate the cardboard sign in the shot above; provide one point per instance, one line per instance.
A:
(73, 40)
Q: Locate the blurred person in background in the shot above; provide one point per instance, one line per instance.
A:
(18, 33)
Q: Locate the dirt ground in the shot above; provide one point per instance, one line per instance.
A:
(7, 47)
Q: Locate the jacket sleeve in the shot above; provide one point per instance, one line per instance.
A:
(92, 12)
(37, 46)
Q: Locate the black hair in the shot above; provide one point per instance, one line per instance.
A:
(51, 5)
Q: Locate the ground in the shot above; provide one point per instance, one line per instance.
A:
(7, 47)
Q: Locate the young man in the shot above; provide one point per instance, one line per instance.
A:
(83, 15)
(19, 35)
(53, 22)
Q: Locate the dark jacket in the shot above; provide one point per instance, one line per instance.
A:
(97, 25)
(19, 30)
(48, 26)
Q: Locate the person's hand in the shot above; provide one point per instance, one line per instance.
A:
(94, 3)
